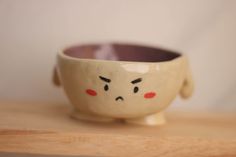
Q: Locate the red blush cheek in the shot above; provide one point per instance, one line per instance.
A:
(149, 95)
(91, 92)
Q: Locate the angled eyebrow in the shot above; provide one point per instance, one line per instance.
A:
(136, 80)
(105, 79)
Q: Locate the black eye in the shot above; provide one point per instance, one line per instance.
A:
(106, 87)
(136, 89)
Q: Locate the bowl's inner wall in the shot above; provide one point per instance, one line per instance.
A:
(121, 52)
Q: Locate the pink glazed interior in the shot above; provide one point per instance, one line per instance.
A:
(121, 52)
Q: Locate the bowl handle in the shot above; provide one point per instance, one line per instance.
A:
(55, 77)
(188, 85)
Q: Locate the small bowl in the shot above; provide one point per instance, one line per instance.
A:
(135, 83)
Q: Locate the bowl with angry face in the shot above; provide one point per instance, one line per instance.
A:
(105, 82)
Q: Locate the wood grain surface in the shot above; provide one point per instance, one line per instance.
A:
(48, 129)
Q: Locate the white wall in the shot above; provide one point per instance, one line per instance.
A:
(31, 32)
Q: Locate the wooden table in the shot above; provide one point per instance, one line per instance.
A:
(48, 129)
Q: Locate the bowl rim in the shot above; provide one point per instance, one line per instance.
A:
(61, 54)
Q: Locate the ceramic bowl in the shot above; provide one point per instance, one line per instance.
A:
(105, 82)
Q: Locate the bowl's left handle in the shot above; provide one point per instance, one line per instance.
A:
(55, 77)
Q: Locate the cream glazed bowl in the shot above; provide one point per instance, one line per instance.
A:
(105, 82)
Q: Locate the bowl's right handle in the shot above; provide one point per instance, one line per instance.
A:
(55, 77)
(188, 85)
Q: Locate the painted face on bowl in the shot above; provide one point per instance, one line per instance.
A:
(144, 82)
(122, 90)
(147, 95)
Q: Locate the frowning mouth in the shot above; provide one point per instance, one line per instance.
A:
(119, 98)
